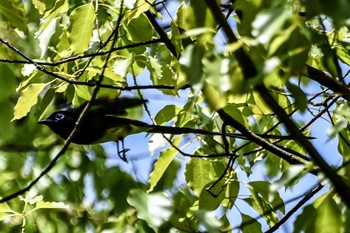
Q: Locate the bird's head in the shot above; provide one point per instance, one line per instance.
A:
(61, 122)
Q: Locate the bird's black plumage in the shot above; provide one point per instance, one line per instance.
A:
(105, 121)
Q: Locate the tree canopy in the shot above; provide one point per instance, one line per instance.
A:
(270, 77)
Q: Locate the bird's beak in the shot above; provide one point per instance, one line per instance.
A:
(45, 121)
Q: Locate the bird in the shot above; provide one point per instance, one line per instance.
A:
(106, 120)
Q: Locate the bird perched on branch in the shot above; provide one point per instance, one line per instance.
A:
(106, 121)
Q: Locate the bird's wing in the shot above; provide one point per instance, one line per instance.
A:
(113, 106)
(117, 128)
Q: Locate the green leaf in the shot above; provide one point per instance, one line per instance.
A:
(155, 68)
(82, 92)
(235, 113)
(280, 39)
(60, 7)
(191, 63)
(343, 146)
(338, 10)
(137, 10)
(5, 211)
(299, 96)
(196, 15)
(82, 23)
(175, 38)
(221, 74)
(209, 221)
(336, 128)
(162, 163)
(197, 174)
(265, 199)
(268, 23)
(154, 208)
(29, 97)
(121, 66)
(45, 36)
(139, 29)
(329, 217)
(50, 205)
(231, 191)
(209, 202)
(297, 48)
(161, 72)
(323, 216)
(200, 172)
(13, 15)
(40, 6)
(253, 227)
(167, 113)
(305, 222)
(289, 177)
(260, 106)
(215, 99)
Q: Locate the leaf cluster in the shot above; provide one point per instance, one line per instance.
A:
(281, 80)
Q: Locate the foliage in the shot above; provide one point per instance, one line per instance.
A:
(256, 68)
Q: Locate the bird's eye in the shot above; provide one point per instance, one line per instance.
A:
(59, 116)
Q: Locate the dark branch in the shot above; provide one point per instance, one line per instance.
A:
(340, 186)
(306, 198)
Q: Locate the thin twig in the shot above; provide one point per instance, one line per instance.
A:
(306, 198)
(250, 71)
(309, 194)
(77, 125)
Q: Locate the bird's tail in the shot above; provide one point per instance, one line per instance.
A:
(184, 130)
(144, 127)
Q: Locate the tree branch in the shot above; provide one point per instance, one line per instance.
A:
(340, 186)
(328, 81)
(306, 198)
(77, 123)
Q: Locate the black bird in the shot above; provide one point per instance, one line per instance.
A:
(105, 121)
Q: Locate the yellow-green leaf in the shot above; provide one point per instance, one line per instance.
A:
(214, 98)
(28, 98)
(82, 21)
(50, 205)
(162, 164)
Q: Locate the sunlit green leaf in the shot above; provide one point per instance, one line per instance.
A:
(268, 23)
(121, 66)
(50, 205)
(29, 97)
(321, 216)
(160, 166)
(167, 113)
(154, 208)
(191, 63)
(139, 29)
(264, 200)
(82, 23)
(45, 36)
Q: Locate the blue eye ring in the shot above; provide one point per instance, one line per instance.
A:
(59, 116)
